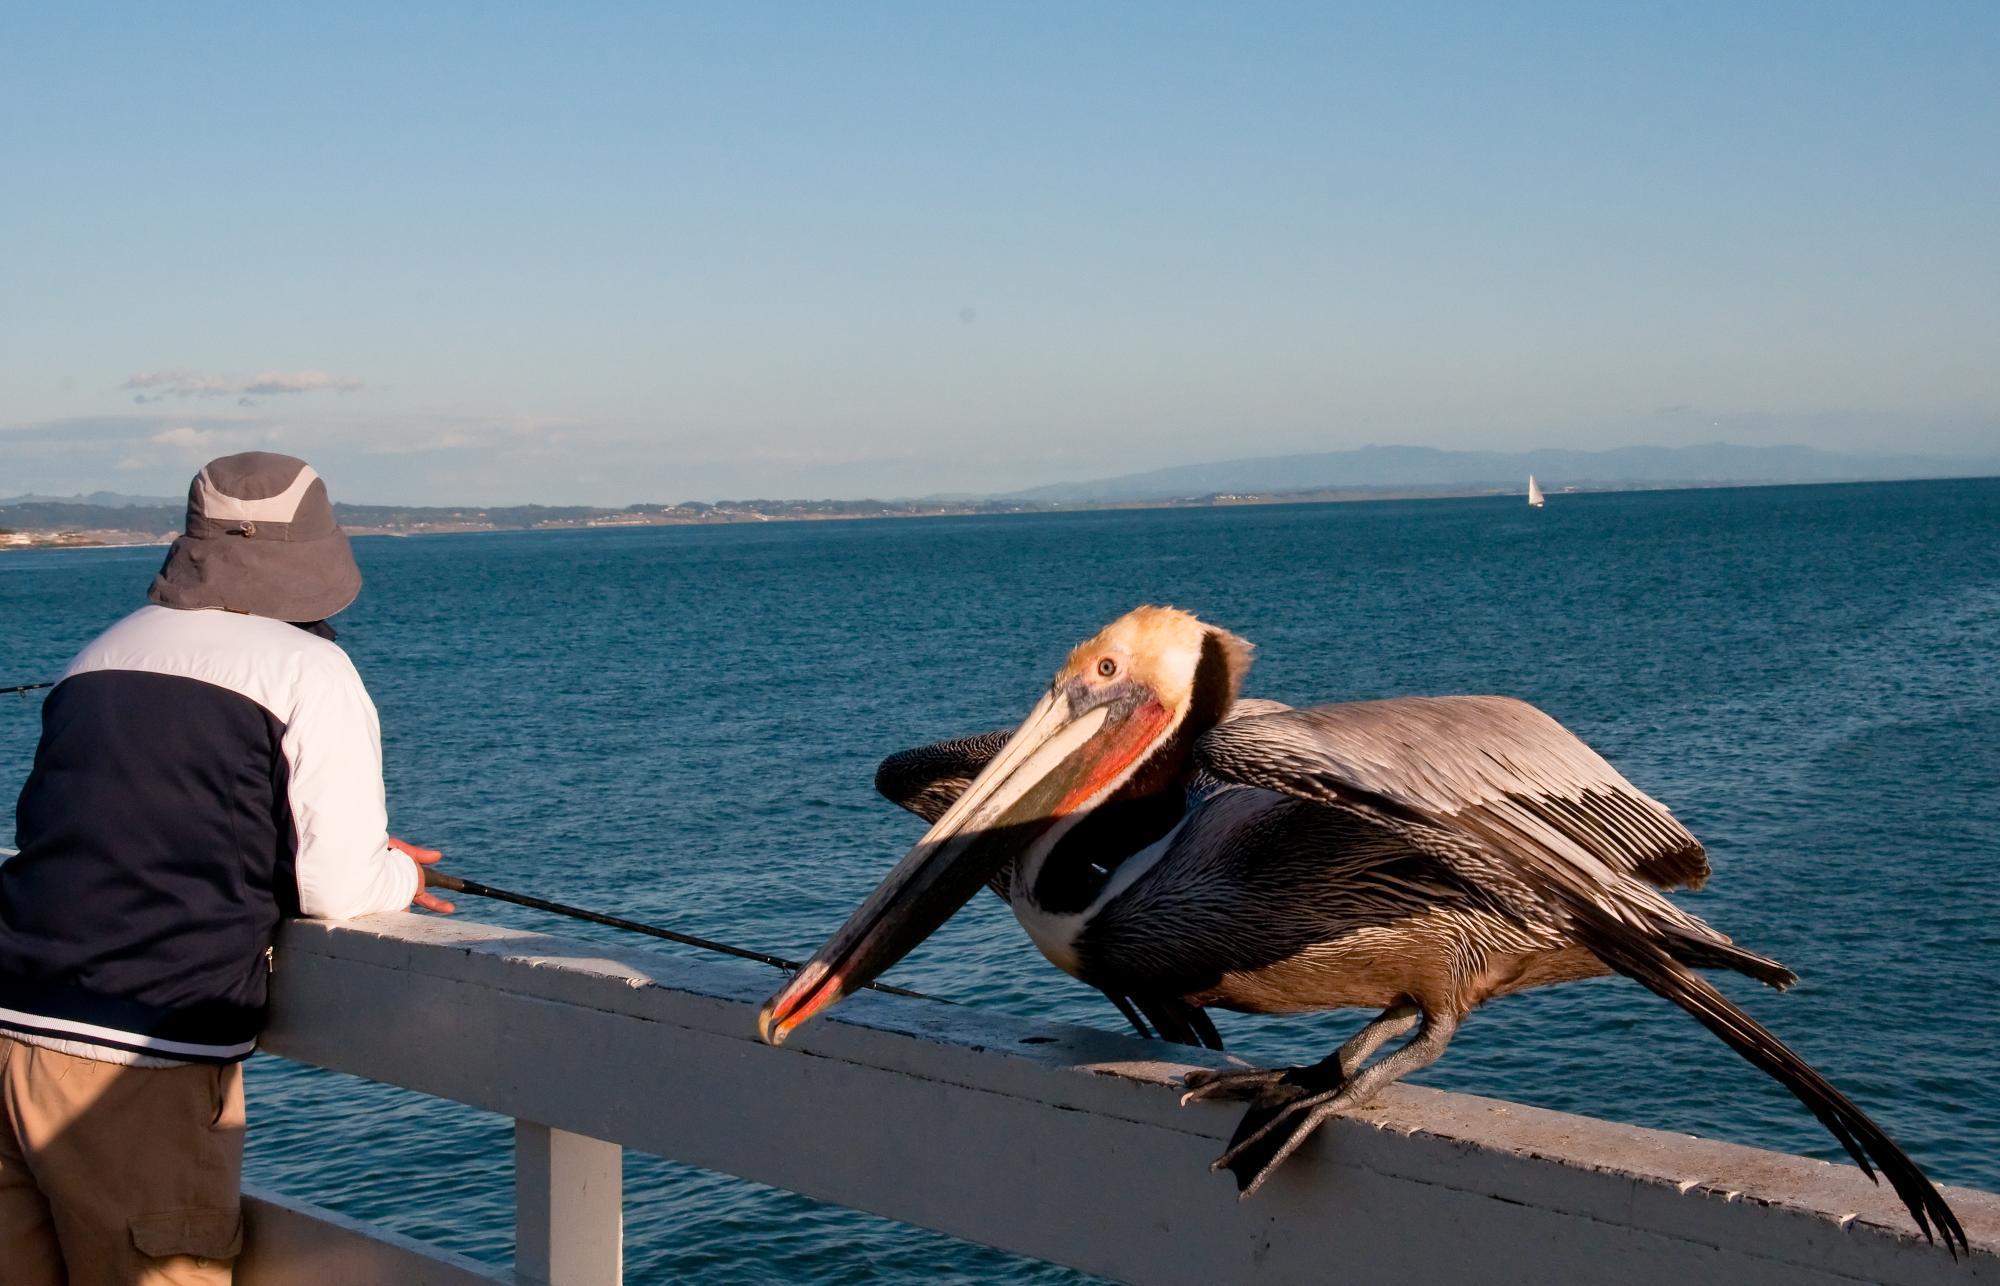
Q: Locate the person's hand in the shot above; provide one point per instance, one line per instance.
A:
(422, 857)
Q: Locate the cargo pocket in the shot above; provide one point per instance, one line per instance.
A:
(214, 1235)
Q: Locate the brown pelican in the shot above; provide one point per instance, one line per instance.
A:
(1179, 848)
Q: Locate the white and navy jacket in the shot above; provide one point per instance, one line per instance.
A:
(199, 775)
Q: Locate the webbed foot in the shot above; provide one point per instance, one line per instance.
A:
(1272, 1130)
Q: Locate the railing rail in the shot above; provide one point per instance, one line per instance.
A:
(1056, 1142)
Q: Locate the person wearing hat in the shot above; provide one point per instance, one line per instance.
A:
(207, 765)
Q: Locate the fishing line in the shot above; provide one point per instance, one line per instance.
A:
(457, 884)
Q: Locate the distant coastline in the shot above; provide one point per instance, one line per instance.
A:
(46, 524)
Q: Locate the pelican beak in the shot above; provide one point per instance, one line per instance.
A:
(1061, 760)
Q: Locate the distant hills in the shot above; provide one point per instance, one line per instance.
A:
(99, 500)
(78, 520)
(1365, 473)
(1428, 468)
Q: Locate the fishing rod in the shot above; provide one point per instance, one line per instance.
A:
(458, 884)
(473, 888)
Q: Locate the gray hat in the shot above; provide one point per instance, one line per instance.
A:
(260, 539)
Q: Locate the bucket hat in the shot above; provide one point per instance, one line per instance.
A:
(260, 538)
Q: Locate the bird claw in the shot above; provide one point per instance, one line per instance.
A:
(1300, 1117)
(1205, 1083)
(1234, 1152)
(1247, 1190)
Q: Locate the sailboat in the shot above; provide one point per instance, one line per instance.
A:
(1534, 493)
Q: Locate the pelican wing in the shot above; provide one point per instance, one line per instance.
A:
(928, 780)
(1503, 793)
(1517, 805)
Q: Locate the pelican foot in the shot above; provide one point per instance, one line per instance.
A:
(1281, 1117)
(1279, 1083)
(1203, 1082)
(1273, 1129)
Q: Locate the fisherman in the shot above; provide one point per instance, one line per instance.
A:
(207, 765)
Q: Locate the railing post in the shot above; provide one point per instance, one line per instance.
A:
(569, 1208)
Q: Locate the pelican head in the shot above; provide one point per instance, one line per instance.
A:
(1120, 717)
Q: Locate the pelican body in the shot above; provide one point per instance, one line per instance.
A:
(1182, 849)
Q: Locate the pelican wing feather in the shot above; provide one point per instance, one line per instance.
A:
(1504, 794)
(928, 780)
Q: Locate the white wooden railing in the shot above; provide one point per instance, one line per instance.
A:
(1061, 1143)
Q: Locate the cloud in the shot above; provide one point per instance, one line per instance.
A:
(158, 386)
(185, 445)
(188, 438)
(301, 382)
(398, 457)
(507, 435)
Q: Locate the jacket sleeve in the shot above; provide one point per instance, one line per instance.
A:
(333, 746)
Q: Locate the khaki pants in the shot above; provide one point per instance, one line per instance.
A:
(114, 1176)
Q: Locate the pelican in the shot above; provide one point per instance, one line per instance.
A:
(1180, 849)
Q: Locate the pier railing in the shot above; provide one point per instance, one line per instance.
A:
(1061, 1143)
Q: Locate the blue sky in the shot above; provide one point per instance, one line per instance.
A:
(611, 254)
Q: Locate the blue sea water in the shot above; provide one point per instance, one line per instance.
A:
(680, 725)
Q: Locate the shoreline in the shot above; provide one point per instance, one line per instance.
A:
(795, 511)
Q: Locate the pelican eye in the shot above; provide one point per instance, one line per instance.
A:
(1107, 667)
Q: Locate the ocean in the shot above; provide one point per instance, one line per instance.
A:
(680, 725)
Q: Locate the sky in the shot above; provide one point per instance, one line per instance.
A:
(613, 254)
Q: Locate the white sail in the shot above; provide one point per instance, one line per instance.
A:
(1534, 493)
